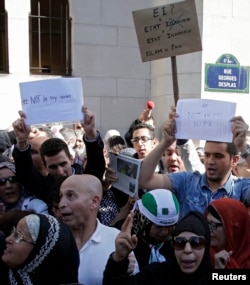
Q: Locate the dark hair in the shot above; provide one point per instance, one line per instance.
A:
(10, 219)
(54, 193)
(231, 148)
(144, 126)
(52, 147)
(213, 212)
(114, 140)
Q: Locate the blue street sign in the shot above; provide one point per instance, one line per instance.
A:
(227, 76)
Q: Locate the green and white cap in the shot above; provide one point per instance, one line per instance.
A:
(160, 206)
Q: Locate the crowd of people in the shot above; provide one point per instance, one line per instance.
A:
(62, 221)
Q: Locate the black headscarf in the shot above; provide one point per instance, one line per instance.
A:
(3, 266)
(196, 223)
(168, 272)
(53, 260)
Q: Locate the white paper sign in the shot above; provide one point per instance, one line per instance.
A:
(205, 119)
(127, 171)
(52, 100)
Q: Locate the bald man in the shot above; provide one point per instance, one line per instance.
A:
(80, 197)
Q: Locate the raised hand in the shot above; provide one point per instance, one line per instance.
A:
(145, 115)
(125, 242)
(239, 130)
(169, 130)
(109, 177)
(221, 259)
(89, 123)
(22, 131)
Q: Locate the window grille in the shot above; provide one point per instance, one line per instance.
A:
(50, 37)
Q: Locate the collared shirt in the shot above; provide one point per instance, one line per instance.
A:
(193, 192)
(95, 253)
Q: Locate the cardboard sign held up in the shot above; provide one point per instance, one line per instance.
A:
(167, 30)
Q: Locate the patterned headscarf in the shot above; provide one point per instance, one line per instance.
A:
(54, 258)
(24, 193)
(141, 224)
(9, 165)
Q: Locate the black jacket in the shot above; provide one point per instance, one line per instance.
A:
(40, 185)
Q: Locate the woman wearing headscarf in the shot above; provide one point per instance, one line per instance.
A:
(155, 217)
(229, 224)
(14, 196)
(189, 263)
(3, 266)
(41, 250)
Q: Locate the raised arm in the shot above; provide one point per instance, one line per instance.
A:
(89, 123)
(94, 145)
(239, 130)
(148, 178)
(26, 172)
(22, 131)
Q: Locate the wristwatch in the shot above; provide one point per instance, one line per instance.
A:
(246, 153)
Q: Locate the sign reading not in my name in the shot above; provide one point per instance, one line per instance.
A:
(52, 100)
(167, 30)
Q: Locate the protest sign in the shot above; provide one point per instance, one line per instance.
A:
(167, 30)
(204, 119)
(52, 100)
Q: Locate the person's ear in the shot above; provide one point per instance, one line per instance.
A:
(235, 160)
(155, 141)
(71, 159)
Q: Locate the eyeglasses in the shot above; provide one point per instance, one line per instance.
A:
(214, 226)
(18, 237)
(11, 179)
(196, 242)
(142, 138)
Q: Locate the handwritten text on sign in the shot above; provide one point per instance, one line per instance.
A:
(52, 100)
(204, 119)
(167, 30)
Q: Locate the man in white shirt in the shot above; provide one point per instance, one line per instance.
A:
(80, 197)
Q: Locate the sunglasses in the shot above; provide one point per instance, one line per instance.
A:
(11, 179)
(196, 242)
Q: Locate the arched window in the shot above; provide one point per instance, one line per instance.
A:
(4, 61)
(50, 37)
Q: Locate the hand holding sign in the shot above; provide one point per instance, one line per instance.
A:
(204, 119)
(52, 100)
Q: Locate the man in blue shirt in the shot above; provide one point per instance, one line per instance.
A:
(195, 190)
